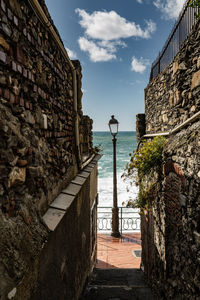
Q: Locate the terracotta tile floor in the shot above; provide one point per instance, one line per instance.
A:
(117, 252)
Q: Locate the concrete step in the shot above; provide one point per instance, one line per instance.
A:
(117, 284)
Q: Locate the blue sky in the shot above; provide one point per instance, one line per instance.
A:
(116, 42)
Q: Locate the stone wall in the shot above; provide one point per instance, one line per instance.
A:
(171, 228)
(173, 96)
(39, 144)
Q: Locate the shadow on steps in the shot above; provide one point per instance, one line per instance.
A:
(117, 284)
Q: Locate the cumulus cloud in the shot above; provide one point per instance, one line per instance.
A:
(104, 32)
(109, 26)
(112, 46)
(140, 1)
(72, 54)
(170, 8)
(139, 65)
(96, 53)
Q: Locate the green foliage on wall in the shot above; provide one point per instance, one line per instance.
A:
(148, 156)
(195, 4)
(145, 161)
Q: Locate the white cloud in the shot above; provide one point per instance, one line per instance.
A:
(72, 54)
(170, 8)
(139, 65)
(112, 45)
(96, 53)
(140, 1)
(109, 26)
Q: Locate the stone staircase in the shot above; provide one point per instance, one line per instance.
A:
(117, 284)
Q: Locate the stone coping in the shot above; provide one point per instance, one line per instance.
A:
(63, 201)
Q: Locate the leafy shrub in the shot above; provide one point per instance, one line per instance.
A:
(148, 156)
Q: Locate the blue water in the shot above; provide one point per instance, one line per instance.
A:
(126, 143)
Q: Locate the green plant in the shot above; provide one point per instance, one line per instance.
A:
(147, 157)
(144, 161)
(195, 4)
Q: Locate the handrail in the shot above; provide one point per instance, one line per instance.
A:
(180, 31)
(174, 130)
(128, 220)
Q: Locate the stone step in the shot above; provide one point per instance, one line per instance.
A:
(117, 284)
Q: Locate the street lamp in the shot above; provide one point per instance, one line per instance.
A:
(113, 125)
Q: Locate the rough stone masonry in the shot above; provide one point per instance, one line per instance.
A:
(38, 152)
(171, 229)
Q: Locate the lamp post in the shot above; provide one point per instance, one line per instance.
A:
(113, 125)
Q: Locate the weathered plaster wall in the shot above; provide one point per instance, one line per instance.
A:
(171, 228)
(39, 155)
(173, 96)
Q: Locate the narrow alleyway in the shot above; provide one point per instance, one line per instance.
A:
(117, 275)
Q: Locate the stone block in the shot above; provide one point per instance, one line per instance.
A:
(72, 189)
(35, 171)
(22, 162)
(21, 102)
(175, 67)
(165, 118)
(10, 14)
(29, 117)
(7, 94)
(16, 22)
(14, 66)
(44, 123)
(19, 54)
(79, 180)
(4, 44)
(53, 217)
(17, 176)
(3, 6)
(63, 201)
(12, 98)
(195, 80)
(198, 63)
(3, 57)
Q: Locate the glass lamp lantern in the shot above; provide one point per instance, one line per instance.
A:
(113, 125)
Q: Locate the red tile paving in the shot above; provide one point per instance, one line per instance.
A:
(115, 253)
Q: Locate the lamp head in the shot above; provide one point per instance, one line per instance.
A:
(113, 126)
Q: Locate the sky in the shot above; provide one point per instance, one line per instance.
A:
(116, 42)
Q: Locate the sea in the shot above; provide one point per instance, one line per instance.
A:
(126, 143)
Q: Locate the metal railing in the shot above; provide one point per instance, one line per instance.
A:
(177, 36)
(129, 219)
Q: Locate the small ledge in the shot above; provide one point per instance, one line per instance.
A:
(79, 180)
(53, 217)
(63, 201)
(88, 169)
(84, 174)
(72, 189)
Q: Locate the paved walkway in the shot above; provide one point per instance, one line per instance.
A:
(117, 275)
(115, 253)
